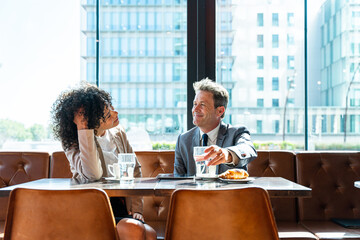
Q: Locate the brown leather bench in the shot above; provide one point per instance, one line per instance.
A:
(281, 164)
(156, 208)
(20, 167)
(331, 177)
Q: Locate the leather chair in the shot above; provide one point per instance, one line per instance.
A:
(221, 214)
(156, 208)
(59, 214)
(59, 165)
(281, 164)
(20, 167)
(331, 177)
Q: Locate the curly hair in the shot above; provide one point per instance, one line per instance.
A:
(89, 97)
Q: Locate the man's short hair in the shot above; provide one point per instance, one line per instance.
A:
(220, 94)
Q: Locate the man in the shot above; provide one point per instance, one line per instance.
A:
(229, 147)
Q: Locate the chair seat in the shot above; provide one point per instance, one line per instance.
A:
(330, 230)
(293, 231)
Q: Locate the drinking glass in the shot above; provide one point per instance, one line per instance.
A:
(202, 170)
(127, 164)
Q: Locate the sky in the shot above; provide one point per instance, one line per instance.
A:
(39, 56)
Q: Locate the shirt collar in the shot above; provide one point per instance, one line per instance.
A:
(212, 135)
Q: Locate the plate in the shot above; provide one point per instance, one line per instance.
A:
(246, 180)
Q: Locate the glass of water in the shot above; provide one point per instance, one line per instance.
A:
(127, 164)
(202, 169)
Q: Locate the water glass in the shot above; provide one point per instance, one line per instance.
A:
(202, 170)
(127, 164)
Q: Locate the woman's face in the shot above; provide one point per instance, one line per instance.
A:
(111, 119)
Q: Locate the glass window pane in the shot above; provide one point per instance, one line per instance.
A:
(40, 57)
(333, 95)
(152, 68)
(260, 46)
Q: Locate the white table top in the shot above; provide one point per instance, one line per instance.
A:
(276, 186)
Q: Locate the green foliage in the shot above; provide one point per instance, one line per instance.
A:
(278, 146)
(38, 132)
(163, 146)
(295, 147)
(337, 146)
(12, 130)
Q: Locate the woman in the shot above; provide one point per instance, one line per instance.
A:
(87, 126)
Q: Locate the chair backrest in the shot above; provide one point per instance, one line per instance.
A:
(156, 208)
(59, 165)
(20, 167)
(271, 163)
(59, 214)
(331, 177)
(221, 214)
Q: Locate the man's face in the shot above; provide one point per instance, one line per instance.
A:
(205, 115)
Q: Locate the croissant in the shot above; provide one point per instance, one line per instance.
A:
(234, 174)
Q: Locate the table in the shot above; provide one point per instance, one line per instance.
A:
(276, 186)
(357, 184)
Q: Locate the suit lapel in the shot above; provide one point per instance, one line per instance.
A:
(222, 134)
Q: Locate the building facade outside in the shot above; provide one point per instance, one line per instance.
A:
(260, 60)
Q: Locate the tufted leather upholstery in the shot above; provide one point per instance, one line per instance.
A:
(60, 214)
(281, 164)
(156, 208)
(277, 164)
(331, 177)
(152, 163)
(207, 214)
(20, 167)
(59, 166)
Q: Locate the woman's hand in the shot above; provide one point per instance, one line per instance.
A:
(138, 216)
(80, 120)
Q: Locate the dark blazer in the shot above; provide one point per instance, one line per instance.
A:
(236, 139)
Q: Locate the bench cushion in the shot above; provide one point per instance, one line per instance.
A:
(156, 208)
(277, 164)
(331, 177)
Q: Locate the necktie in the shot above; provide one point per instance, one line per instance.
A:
(204, 139)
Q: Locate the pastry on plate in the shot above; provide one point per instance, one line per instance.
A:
(234, 174)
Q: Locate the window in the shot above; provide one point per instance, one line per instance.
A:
(260, 102)
(291, 62)
(143, 60)
(275, 41)
(275, 62)
(260, 41)
(275, 19)
(290, 19)
(290, 39)
(275, 102)
(260, 62)
(258, 126)
(260, 84)
(275, 84)
(260, 19)
(276, 126)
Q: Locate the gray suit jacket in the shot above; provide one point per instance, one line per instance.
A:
(235, 139)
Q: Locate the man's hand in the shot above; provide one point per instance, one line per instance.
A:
(79, 119)
(217, 155)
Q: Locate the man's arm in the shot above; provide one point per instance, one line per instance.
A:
(179, 165)
(243, 151)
